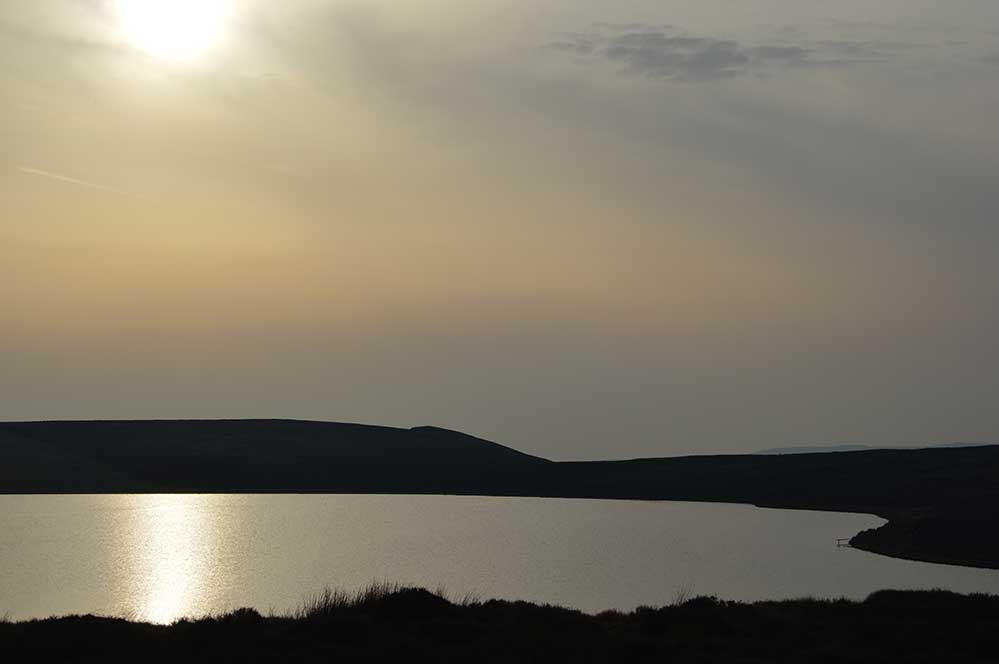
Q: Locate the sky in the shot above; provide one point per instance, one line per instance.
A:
(583, 228)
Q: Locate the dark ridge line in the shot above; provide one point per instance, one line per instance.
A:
(941, 504)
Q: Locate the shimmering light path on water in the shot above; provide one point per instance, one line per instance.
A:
(161, 557)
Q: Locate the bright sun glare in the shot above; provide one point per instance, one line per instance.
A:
(173, 29)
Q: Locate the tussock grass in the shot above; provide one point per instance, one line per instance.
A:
(390, 621)
(682, 595)
(330, 600)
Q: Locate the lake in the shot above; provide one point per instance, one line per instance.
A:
(161, 557)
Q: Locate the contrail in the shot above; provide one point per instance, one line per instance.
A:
(64, 178)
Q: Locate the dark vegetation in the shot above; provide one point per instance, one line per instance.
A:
(387, 623)
(942, 503)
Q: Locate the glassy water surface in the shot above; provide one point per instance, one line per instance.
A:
(161, 557)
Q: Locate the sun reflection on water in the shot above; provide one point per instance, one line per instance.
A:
(172, 559)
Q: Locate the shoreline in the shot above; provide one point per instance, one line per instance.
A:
(941, 504)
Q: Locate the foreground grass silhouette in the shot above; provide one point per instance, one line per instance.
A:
(387, 622)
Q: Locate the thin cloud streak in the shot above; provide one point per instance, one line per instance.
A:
(668, 52)
(67, 179)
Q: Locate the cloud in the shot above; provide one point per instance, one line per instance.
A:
(80, 25)
(688, 58)
(786, 53)
(861, 49)
(577, 42)
(666, 52)
(64, 178)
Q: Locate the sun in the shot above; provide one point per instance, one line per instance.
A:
(173, 29)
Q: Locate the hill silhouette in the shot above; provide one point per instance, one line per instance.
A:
(942, 504)
(253, 456)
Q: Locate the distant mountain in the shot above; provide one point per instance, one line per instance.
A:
(817, 449)
(821, 449)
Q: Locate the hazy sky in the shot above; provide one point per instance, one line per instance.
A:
(583, 228)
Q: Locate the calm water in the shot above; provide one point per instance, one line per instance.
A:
(161, 557)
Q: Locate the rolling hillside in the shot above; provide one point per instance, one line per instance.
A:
(942, 503)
